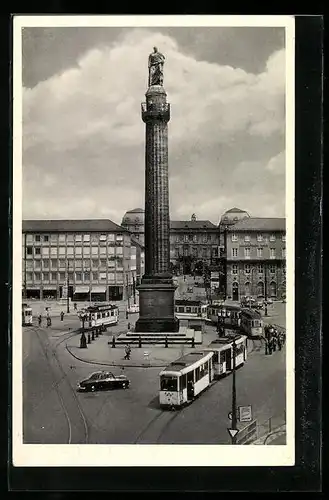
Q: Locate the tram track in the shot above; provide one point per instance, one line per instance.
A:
(152, 432)
(77, 429)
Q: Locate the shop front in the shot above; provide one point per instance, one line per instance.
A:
(82, 293)
(98, 293)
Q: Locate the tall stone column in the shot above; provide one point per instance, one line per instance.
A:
(156, 292)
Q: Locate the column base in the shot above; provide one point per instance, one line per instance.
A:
(157, 307)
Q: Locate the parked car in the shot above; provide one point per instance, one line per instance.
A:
(103, 380)
(134, 308)
(247, 301)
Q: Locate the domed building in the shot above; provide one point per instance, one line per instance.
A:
(233, 216)
(133, 221)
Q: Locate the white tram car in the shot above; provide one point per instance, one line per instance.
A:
(99, 316)
(223, 351)
(228, 315)
(26, 315)
(185, 378)
(190, 308)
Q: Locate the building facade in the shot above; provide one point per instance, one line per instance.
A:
(256, 258)
(92, 260)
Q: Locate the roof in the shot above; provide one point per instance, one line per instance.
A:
(192, 224)
(260, 224)
(235, 210)
(186, 360)
(135, 211)
(74, 225)
(187, 302)
(252, 313)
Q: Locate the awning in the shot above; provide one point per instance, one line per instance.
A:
(49, 288)
(98, 289)
(81, 289)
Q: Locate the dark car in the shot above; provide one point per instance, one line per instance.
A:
(103, 380)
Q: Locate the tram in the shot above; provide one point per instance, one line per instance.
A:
(223, 350)
(190, 308)
(228, 315)
(26, 315)
(184, 379)
(251, 323)
(99, 316)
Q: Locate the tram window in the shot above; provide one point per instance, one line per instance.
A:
(206, 367)
(215, 357)
(168, 383)
(183, 382)
(201, 371)
(98, 315)
(197, 374)
(222, 357)
(188, 309)
(239, 349)
(256, 322)
(181, 309)
(103, 315)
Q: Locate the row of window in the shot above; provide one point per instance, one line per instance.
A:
(77, 276)
(63, 264)
(77, 251)
(70, 238)
(205, 238)
(273, 252)
(195, 252)
(259, 237)
(260, 269)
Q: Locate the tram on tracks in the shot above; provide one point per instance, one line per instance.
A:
(99, 316)
(227, 314)
(252, 323)
(26, 315)
(224, 352)
(184, 379)
(185, 308)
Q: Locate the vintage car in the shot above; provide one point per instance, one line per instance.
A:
(103, 380)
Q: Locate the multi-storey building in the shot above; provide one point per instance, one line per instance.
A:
(91, 259)
(256, 258)
(193, 243)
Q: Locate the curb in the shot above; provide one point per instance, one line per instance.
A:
(278, 431)
(91, 362)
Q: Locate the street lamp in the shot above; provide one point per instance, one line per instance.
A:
(265, 284)
(68, 284)
(234, 408)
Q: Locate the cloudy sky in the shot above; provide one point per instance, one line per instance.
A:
(83, 137)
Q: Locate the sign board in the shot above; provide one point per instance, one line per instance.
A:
(245, 413)
(146, 354)
(233, 432)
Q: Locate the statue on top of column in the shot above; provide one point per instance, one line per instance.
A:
(156, 62)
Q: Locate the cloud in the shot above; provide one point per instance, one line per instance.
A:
(83, 143)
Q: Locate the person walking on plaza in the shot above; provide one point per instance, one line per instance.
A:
(127, 351)
(39, 319)
(75, 306)
(62, 316)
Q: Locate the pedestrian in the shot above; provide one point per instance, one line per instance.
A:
(39, 319)
(128, 326)
(279, 343)
(127, 314)
(75, 306)
(127, 351)
(62, 315)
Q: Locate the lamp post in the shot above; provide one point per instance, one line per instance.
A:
(68, 284)
(234, 409)
(265, 285)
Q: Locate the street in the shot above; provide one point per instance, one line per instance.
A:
(54, 412)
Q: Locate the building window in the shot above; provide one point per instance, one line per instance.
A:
(61, 263)
(37, 264)
(234, 252)
(78, 276)
(70, 251)
(272, 289)
(283, 253)
(247, 237)
(45, 276)
(37, 251)
(29, 276)
(259, 237)
(119, 251)
(247, 288)
(103, 262)
(95, 263)
(70, 276)
(70, 238)
(45, 250)
(119, 277)
(284, 269)
(234, 237)
(29, 264)
(37, 276)
(234, 269)
(37, 238)
(283, 237)
(102, 237)
(28, 250)
(61, 250)
(111, 276)
(94, 250)
(185, 238)
(260, 268)
(78, 238)
(102, 250)
(119, 237)
(87, 275)
(53, 251)
(272, 237)
(45, 264)
(247, 252)
(190, 237)
(53, 238)
(110, 237)
(272, 253)
(62, 276)
(78, 250)
(46, 238)
(247, 268)
(29, 238)
(259, 252)
(86, 237)
(86, 251)
(111, 263)
(260, 289)
(61, 238)
(272, 269)
(53, 276)
(86, 263)
(78, 263)
(102, 276)
(195, 238)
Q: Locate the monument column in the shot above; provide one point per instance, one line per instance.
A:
(156, 292)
